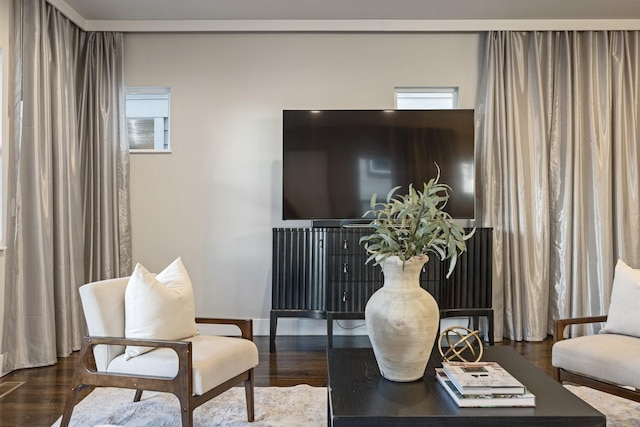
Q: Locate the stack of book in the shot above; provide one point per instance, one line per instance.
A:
(482, 385)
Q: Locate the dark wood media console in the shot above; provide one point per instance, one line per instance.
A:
(321, 273)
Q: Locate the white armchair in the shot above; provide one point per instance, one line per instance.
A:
(608, 361)
(195, 369)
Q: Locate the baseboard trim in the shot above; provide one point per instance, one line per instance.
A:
(292, 326)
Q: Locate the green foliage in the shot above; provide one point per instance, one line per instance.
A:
(415, 224)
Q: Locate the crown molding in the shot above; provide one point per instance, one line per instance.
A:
(359, 25)
(70, 13)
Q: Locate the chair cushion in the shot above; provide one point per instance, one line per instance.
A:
(624, 316)
(159, 307)
(609, 357)
(215, 360)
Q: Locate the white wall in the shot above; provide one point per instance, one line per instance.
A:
(215, 199)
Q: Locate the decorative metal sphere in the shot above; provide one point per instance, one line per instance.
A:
(468, 346)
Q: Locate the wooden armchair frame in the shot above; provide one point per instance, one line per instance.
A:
(86, 374)
(562, 375)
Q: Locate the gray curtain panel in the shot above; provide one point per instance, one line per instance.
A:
(558, 126)
(68, 181)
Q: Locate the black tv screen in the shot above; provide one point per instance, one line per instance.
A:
(334, 160)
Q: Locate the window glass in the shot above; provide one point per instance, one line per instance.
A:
(147, 111)
(426, 98)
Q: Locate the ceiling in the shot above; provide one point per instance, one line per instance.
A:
(354, 15)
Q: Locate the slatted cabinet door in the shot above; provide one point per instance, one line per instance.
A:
(469, 286)
(299, 269)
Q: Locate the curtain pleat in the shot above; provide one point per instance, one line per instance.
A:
(106, 154)
(61, 157)
(557, 125)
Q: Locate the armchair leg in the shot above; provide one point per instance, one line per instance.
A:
(248, 391)
(187, 418)
(186, 410)
(71, 403)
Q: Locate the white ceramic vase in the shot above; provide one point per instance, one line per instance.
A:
(402, 321)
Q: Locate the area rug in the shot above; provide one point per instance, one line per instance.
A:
(619, 412)
(301, 405)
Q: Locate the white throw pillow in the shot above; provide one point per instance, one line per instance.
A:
(624, 312)
(159, 307)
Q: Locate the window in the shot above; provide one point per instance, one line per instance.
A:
(147, 111)
(426, 98)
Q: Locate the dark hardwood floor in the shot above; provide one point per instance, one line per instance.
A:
(298, 360)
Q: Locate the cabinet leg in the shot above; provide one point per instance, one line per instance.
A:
(273, 325)
(329, 330)
(490, 326)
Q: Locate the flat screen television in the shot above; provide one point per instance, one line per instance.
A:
(334, 160)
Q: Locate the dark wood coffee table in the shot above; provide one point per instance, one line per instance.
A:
(359, 396)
